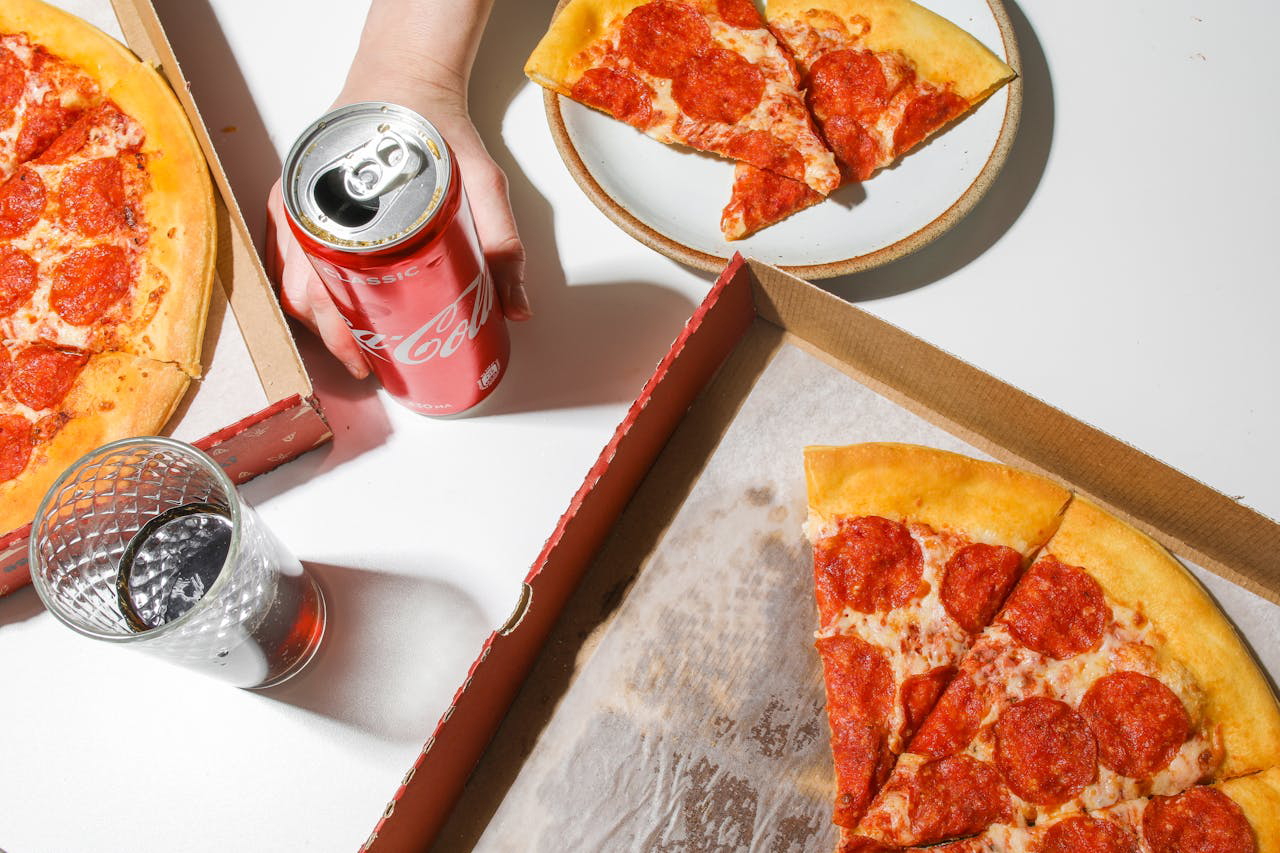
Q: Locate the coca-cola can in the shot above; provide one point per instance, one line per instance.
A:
(374, 196)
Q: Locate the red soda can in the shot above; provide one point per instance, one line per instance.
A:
(374, 196)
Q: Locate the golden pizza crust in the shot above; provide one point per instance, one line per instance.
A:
(942, 52)
(69, 37)
(1137, 572)
(115, 396)
(171, 298)
(577, 26)
(985, 501)
(1259, 798)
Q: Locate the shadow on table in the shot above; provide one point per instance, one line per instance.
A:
(252, 165)
(589, 343)
(1003, 204)
(19, 606)
(390, 651)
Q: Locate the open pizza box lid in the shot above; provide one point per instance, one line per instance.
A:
(253, 409)
(657, 687)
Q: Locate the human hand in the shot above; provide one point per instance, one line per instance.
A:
(442, 101)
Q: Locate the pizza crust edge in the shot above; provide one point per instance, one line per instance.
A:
(115, 395)
(1136, 571)
(986, 501)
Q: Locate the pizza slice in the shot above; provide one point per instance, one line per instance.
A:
(1109, 675)
(914, 551)
(881, 77)
(55, 404)
(704, 73)
(1240, 815)
(106, 239)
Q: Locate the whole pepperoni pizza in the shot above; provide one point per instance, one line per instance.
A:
(1007, 663)
(106, 248)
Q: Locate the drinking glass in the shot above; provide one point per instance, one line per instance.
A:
(145, 542)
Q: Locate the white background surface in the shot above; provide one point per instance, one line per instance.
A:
(1122, 268)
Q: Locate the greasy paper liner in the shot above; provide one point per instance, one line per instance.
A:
(695, 718)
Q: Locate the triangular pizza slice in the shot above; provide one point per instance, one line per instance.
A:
(881, 77)
(704, 73)
(914, 551)
(1109, 675)
(1240, 815)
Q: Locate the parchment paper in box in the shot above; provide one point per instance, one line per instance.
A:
(694, 719)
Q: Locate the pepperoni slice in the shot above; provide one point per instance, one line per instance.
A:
(91, 197)
(859, 685)
(858, 152)
(661, 35)
(15, 445)
(1045, 751)
(13, 79)
(858, 677)
(18, 277)
(717, 85)
(1199, 820)
(1139, 722)
(871, 564)
(620, 93)
(919, 694)
(22, 201)
(955, 796)
(87, 282)
(1082, 834)
(955, 719)
(975, 582)
(924, 115)
(740, 13)
(6, 367)
(766, 151)
(1057, 610)
(41, 124)
(848, 83)
(42, 375)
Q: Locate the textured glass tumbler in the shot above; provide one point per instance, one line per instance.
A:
(145, 542)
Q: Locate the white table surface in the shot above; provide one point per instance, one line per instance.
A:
(1122, 268)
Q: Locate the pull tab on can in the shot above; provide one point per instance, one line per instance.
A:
(367, 177)
(380, 165)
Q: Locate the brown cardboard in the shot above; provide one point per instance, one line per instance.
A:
(751, 312)
(247, 443)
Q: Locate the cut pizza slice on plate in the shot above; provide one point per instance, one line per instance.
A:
(881, 76)
(703, 73)
(1109, 675)
(914, 552)
(1239, 815)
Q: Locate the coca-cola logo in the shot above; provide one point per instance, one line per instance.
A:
(442, 335)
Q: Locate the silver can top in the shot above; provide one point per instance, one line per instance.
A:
(366, 176)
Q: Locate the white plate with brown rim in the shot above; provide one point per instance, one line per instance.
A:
(670, 197)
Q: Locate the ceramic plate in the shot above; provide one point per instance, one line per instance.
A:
(670, 197)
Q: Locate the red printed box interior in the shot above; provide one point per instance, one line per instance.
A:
(613, 547)
(254, 408)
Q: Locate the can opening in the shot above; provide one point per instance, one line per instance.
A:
(335, 202)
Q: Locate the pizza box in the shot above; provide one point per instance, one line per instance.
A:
(657, 674)
(253, 409)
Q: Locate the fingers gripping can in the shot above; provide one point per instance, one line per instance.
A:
(374, 196)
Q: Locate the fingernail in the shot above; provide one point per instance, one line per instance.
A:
(522, 302)
(357, 369)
